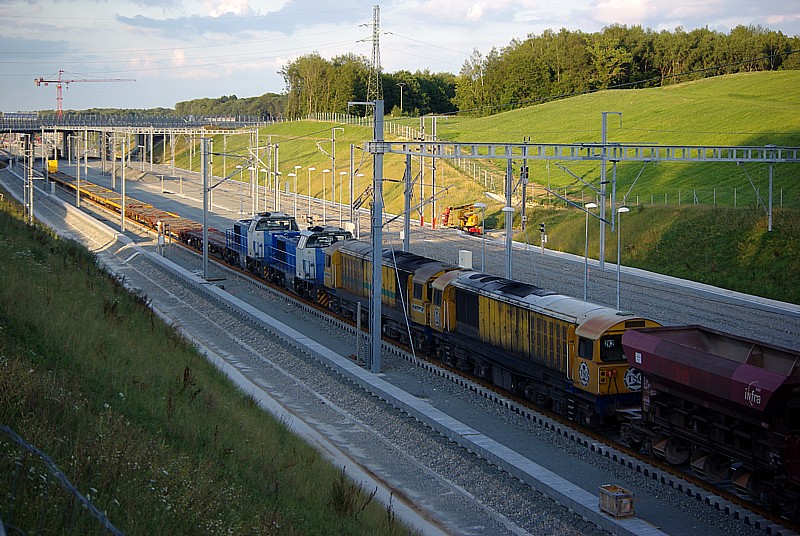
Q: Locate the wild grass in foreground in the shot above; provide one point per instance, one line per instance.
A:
(136, 418)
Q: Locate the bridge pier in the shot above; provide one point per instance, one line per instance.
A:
(64, 143)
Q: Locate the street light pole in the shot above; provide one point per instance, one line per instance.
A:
(253, 192)
(401, 85)
(296, 171)
(277, 190)
(341, 180)
(357, 212)
(295, 192)
(266, 187)
(309, 189)
(482, 206)
(124, 150)
(509, 212)
(78, 172)
(620, 211)
(586, 208)
(274, 164)
(324, 206)
(241, 184)
(333, 166)
(352, 178)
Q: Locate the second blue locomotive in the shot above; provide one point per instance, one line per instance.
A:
(271, 246)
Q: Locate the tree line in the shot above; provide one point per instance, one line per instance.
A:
(270, 105)
(526, 71)
(315, 84)
(565, 63)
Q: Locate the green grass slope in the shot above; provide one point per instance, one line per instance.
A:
(308, 144)
(697, 221)
(724, 247)
(752, 109)
(741, 109)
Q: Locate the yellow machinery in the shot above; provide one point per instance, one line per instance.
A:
(463, 218)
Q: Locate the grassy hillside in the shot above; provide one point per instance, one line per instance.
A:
(753, 109)
(308, 144)
(724, 247)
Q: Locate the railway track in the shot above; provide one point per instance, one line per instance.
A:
(722, 497)
(684, 482)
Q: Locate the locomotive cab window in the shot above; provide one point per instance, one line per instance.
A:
(611, 349)
(417, 291)
(586, 348)
(437, 297)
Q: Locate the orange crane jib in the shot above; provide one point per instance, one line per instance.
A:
(61, 81)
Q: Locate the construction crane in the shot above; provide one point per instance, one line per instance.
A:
(61, 81)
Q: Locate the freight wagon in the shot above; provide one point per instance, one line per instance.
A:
(727, 405)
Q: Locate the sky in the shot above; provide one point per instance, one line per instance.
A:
(178, 50)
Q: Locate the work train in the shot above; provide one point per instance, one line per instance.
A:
(728, 406)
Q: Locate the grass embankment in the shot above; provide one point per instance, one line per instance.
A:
(725, 247)
(137, 419)
(308, 144)
(748, 109)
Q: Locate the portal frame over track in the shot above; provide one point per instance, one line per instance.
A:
(613, 152)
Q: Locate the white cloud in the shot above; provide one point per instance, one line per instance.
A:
(237, 7)
(178, 56)
(475, 12)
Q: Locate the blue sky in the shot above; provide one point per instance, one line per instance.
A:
(178, 50)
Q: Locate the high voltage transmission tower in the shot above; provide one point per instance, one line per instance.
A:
(374, 86)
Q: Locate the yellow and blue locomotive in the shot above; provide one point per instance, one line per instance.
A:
(556, 350)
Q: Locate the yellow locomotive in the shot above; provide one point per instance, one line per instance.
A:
(556, 350)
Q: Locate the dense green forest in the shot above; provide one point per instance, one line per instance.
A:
(315, 84)
(266, 105)
(565, 63)
(546, 66)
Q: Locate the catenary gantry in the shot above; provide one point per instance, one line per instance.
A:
(611, 152)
